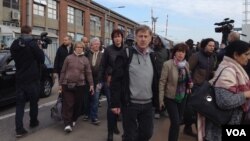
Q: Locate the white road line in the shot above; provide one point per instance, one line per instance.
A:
(41, 106)
(27, 110)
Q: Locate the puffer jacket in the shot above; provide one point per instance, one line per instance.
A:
(75, 68)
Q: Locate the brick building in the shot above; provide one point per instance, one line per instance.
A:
(77, 18)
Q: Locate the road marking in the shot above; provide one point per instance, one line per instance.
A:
(40, 106)
(27, 110)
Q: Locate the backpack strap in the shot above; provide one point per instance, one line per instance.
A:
(219, 76)
(129, 54)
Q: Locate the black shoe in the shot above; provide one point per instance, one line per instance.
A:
(188, 131)
(110, 137)
(119, 118)
(116, 130)
(95, 121)
(34, 124)
(99, 104)
(21, 133)
(85, 118)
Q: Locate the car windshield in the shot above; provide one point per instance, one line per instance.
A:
(2, 55)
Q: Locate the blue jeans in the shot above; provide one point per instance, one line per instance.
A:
(94, 101)
(26, 92)
(111, 117)
(137, 121)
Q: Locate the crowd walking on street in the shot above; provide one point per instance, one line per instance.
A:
(141, 77)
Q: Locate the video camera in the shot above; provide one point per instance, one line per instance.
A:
(44, 40)
(225, 27)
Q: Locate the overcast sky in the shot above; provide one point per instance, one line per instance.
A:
(186, 18)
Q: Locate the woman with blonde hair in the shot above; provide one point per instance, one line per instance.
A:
(76, 69)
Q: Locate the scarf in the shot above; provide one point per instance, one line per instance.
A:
(183, 79)
(234, 78)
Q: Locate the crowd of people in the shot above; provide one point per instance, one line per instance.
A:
(140, 77)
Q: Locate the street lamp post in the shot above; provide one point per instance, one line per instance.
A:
(106, 21)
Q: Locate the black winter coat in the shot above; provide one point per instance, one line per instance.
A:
(28, 59)
(108, 61)
(61, 54)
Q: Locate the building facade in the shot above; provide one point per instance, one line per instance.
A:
(59, 18)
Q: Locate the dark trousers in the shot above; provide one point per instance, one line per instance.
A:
(86, 101)
(111, 117)
(137, 122)
(26, 92)
(71, 105)
(175, 111)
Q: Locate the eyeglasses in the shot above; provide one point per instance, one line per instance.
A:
(79, 47)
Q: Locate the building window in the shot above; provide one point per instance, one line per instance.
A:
(130, 31)
(79, 37)
(108, 30)
(53, 31)
(121, 27)
(70, 15)
(43, 2)
(38, 9)
(79, 17)
(95, 26)
(11, 4)
(38, 28)
(72, 35)
(52, 8)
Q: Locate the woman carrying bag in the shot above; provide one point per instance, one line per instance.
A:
(75, 71)
(232, 89)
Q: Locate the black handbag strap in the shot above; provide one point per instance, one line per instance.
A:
(218, 76)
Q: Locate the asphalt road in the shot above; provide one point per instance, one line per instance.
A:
(50, 130)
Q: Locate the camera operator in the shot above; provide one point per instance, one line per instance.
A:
(232, 36)
(28, 57)
(225, 27)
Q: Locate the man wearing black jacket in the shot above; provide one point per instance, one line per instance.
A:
(134, 87)
(28, 57)
(62, 52)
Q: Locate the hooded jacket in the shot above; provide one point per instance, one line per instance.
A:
(28, 59)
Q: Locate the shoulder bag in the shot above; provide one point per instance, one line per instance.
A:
(203, 101)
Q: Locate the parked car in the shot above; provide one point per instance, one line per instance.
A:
(7, 78)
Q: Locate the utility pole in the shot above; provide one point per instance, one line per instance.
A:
(246, 5)
(154, 20)
(166, 27)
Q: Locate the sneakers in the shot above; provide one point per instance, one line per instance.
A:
(95, 122)
(34, 124)
(85, 118)
(165, 113)
(68, 129)
(157, 116)
(21, 133)
(74, 124)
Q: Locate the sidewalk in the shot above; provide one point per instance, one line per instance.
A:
(85, 131)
